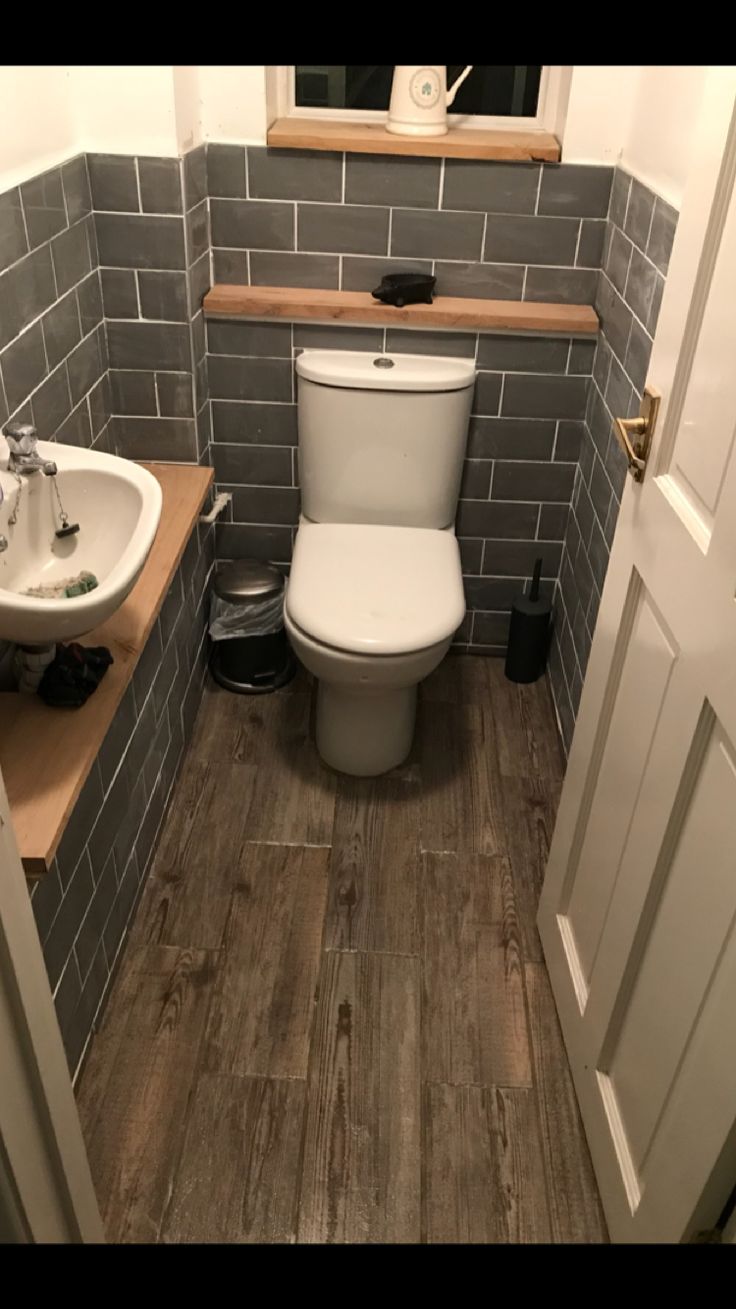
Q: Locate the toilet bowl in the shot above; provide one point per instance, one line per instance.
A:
(370, 612)
(375, 592)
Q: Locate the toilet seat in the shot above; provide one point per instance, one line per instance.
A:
(376, 590)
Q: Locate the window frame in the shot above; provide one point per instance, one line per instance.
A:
(551, 90)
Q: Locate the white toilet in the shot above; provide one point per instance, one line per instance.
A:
(376, 592)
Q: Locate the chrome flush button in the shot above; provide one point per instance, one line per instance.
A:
(383, 362)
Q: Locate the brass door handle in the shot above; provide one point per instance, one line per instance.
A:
(642, 429)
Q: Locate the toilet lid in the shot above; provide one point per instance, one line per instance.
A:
(375, 590)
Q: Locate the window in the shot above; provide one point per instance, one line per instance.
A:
(497, 91)
(521, 97)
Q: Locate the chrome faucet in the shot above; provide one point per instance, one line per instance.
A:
(22, 441)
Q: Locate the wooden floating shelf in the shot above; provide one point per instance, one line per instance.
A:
(373, 139)
(46, 754)
(299, 305)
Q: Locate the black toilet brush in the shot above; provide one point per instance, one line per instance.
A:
(526, 655)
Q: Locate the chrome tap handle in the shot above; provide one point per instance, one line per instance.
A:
(22, 438)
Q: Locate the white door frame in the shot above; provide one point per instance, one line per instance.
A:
(46, 1191)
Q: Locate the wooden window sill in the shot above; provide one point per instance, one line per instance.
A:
(46, 754)
(296, 304)
(373, 139)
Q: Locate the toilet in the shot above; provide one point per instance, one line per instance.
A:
(375, 592)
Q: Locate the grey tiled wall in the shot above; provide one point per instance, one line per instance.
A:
(504, 231)
(152, 224)
(84, 904)
(525, 432)
(639, 235)
(53, 352)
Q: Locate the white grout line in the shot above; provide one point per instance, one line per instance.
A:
(138, 185)
(441, 195)
(577, 244)
(539, 189)
(343, 177)
(247, 177)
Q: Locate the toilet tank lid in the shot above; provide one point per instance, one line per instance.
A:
(362, 370)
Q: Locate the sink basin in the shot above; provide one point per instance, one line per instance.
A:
(117, 505)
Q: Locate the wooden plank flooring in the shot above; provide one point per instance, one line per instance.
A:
(332, 1022)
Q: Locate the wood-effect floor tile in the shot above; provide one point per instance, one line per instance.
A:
(374, 865)
(263, 1003)
(460, 679)
(238, 1178)
(197, 865)
(361, 1177)
(483, 1175)
(294, 794)
(460, 799)
(529, 820)
(473, 1014)
(575, 1212)
(135, 1090)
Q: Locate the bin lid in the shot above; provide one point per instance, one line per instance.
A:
(247, 579)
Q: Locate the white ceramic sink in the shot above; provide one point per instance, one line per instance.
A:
(117, 505)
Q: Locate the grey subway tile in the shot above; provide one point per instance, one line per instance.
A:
(532, 481)
(288, 269)
(459, 345)
(492, 518)
(590, 246)
(471, 555)
(476, 479)
(199, 281)
(195, 176)
(618, 259)
(567, 441)
(365, 273)
(175, 395)
(491, 593)
(480, 281)
(23, 366)
(493, 187)
(245, 339)
(328, 336)
(160, 185)
(619, 196)
(533, 395)
(639, 213)
(61, 328)
(239, 541)
(553, 522)
(132, 392)
(75, 180)
(93, 924)
(662, 234)
(226, 171)
(249, 379)
(113, 182)
(43, 206)
(342, 229)
(561, 285)
(230, 267)
(71, 255)
(510, 558)
(252, 465)
(391, 180)
(656, 304)
(163, 296)
(119, 292)
(580, 190)
(518, 239)
(294, 174)
(13, 243)
(26, 290)
(523, 354)
(582, 355)
(51, 403)
(638, 353)
(254, 424)
(615, 317)
(161, 346)
(81, 821)
(641, 284)
(265, 504)
(140, 241)
(198, 236)
(491, 630)
(168, 439)
(436, 235)
(511, 438)
(84, 366)
(89, 297)
(77, 429)
(620, 396)
(487, 393)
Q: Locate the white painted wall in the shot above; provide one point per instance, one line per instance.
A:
(38, 124)
(125, 108)
(233, 100)
(642, 116)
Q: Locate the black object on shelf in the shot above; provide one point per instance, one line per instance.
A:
(401, 289)
(526, 656)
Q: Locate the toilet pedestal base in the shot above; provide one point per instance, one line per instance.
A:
(367, 733)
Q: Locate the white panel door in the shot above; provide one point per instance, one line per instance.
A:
(638, 910)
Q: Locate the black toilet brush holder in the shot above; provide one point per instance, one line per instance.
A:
(529, 634)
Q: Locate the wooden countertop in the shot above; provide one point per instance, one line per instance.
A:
(299, 305)
(372, 138)
(46, 754)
